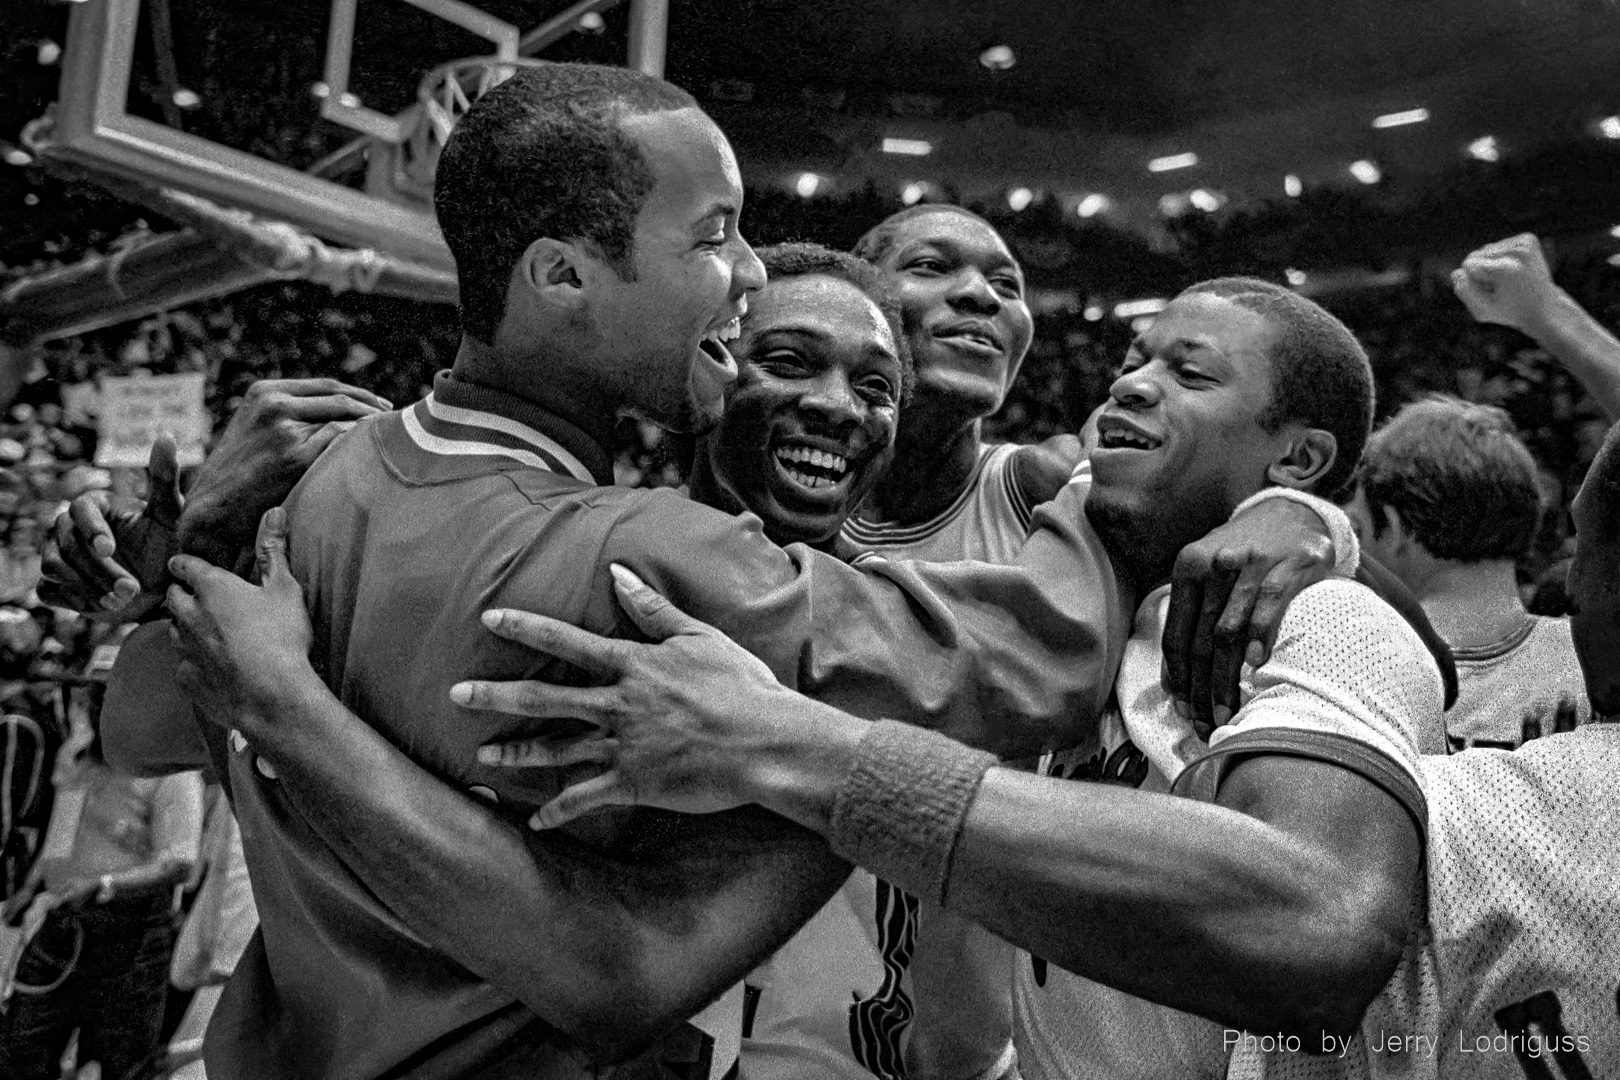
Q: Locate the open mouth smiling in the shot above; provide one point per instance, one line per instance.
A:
(812, 468)
(970, 334)
(1116, 434)
(714, 342)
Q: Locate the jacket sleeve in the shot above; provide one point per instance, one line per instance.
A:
(1016, 659)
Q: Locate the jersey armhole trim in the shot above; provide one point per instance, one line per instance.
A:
(1365, 761)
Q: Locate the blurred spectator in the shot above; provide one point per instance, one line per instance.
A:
(1449, 502)
(98, 911)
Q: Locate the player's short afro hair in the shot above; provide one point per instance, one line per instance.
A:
(540, 155)
(1320, 375)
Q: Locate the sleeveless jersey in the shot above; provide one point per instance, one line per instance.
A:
(1519, 976)
(1348, 682)
(1521, 688)
(836, 1001)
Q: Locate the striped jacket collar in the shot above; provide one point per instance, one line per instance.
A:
(461, 417)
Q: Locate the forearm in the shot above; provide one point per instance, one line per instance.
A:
(1191, 905)
(609, 952)
(1584, 346)
(1195, 906)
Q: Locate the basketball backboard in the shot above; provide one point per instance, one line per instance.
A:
(94, 129)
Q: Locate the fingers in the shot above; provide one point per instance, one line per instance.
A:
(163, 475)
(1223, 575)
(270, 548)
(1181, 622)
(649, 610)
(84, 562)
(198, 575)
(1277, 590)
(541, 753)
(592, 652)
(547, 701)
(1232, 644)
(318, 388)
(314, 410)
(580, 799)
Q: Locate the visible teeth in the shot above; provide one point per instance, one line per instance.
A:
(731, 331)
(819, 459)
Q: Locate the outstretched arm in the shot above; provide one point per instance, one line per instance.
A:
(1284, 907)
(1509, 283)
(610, 951)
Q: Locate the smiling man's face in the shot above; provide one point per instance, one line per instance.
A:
(809, 427)
(961, 294)
(1180, 442)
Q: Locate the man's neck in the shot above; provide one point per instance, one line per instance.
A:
(1472, 604)
(932, 466)
(534, 380)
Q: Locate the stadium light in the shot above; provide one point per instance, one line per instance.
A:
(1173, 161)
(1130, 309)
(1485, 148)
(49, 53)
(1173, 204)
(591, 23)
(909, 147)
(19, 157)
(1296, 278)
(998, 57)
(187, 99)
(1365, 171)
(1401, 119)
(1614, 232)
(913, 192)
(1292, 187)
(1140, 325)
(1094, 313)
(1204, 199)
(1019, 198)
(1613, 260)
(807, 184)
(1609, 127)
(1092, 205)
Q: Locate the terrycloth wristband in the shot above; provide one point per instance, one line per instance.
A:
(1346, 548)
(900, 809)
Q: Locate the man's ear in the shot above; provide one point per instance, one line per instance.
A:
(1310, 454)
(550, 271)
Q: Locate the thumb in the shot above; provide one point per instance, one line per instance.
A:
(271, 549)
(1472, 293)
(655, 615)
(163, 474)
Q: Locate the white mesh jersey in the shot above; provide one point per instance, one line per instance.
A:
(1523, 687)
(1349, 681)
(836, 1001)
(1519, 976)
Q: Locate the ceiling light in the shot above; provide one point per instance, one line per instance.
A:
(1207, 201)
(591, 23)
(1092, 205)
(998, 57)
(913, 192)
(1401, 119)
(30, 199)
(1173, 204)
(1614, 232)
(49, 52)
(320, 90)
(911, 147)
(1094, 313)
(1365, 171)
(1140, 325)
(1613, 260)
(349, 101)
(1292, 186)
(1130, 309)
(1019, 198)
(1484, 148)
(18, 156)
(1609, 127)
(1173, 161)
(807, 184)
(187, 99)
(1296, 278)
